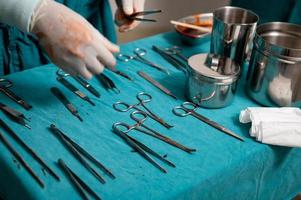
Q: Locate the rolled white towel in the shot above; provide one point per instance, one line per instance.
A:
(277, 126)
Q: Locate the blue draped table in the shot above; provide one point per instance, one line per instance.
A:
(222, 167)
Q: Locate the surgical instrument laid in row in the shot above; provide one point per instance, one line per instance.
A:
(21, 160)
(81, 81)
(142, 98)
(140, 117)
(63, 99)
(136, 16)
(4, 88)
(167, 55)
(79, 184)
(28, 149)
(139, 56)
(15, 115)
(107, 83)
(156, 84)
(141, 148)
(80, 154)
(74, 90)
(188, 108)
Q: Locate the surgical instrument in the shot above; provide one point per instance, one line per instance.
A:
(124, 75)
(15, 115)
(139, 56)
(156, 84)
(142, 98)
(80, 185)
(4, 88)
(61, 97)
(107, 83)
(141, 148)
(80, 154)
(136, 15)
(74, 90)
(21, 160)
(81, 81)
(175, 50)
(172, 60)
(188, 108)
(28, 149)
(139, 117)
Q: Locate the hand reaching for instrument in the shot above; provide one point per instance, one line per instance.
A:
(71, 42)
(126, 8)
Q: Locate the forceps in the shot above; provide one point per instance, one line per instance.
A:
(188, 108)
(142, 98)
(4, 88)
(14, 135)
(63, 99)
(139, 117)
(15, 115)
(139, 56)
(80, 185)
(81, 155)
(122, 130)
(71, 87)
(135, 16)
(21, 160)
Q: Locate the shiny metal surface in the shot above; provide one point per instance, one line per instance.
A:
(194, 37)
(233, 32)
(212, 80)
(275, 67)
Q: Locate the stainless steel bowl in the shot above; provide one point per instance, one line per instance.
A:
(211, 80)
(274, 76)
(191, 36)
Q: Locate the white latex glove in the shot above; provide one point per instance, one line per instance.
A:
(127, 7)
(71, 42)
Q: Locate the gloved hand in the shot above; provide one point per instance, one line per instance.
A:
(127, 7)
(71, 42)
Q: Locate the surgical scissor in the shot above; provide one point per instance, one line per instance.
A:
(4, 88)
(188, 108)
(142, 98)
(169, 57)
(139, 117)
(122, 130)
(139, 56)
(177, 51)
(81, 81)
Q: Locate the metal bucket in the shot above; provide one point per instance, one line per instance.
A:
(211, 80)
(233, 32)
(274, 76)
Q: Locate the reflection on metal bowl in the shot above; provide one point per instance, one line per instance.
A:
(274, 76)
(191, 36)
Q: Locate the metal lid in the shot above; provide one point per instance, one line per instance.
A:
(279, 39)
(214, 68)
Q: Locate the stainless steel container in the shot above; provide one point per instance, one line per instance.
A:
(274, 76)
(211, 80)
(233, 33)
